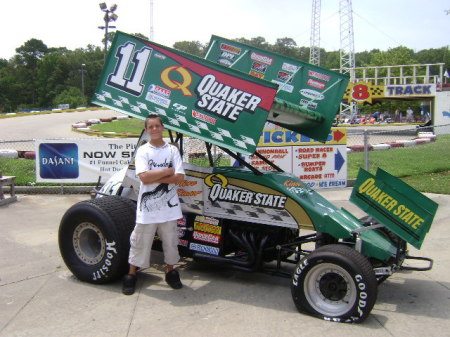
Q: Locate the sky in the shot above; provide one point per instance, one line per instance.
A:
(380, 24)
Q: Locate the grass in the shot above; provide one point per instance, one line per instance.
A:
(425, 167)
(131, 125)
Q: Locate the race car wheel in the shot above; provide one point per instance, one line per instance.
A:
(335, 283)
(94, 238)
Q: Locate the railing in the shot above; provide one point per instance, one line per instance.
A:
(399, 74)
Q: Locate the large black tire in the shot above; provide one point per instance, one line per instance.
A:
(94, 238)
(335, 283)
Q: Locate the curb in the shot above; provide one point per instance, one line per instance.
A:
(425, 137)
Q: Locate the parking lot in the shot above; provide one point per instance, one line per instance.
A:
(40, 297)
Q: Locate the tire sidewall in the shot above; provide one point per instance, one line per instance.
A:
(114, 260)
(365, 287)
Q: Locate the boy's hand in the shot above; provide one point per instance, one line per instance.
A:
(170, 171)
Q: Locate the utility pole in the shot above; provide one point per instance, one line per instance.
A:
(151, 20)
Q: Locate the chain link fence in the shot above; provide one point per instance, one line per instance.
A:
(370, 140)
(364, 139)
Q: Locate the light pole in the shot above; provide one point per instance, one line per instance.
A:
(109, 16)
(82, 77)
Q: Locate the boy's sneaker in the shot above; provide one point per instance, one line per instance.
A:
(129, 284)
(173, 279)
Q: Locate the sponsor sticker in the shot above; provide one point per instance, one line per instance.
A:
(204, 249)
(308, 104)
(316, 84)
(229, 48)
(312, 94)
(160, 91)
(319, 76)
(261, 58)
(289, 67)
(204, 227)
(203, 117)
(259, 67)
(206, 237)
(284, 77)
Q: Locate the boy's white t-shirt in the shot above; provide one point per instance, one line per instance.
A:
(158, 202)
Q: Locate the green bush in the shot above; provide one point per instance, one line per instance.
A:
(72, 96)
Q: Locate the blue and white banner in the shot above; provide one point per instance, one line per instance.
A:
(81, 160)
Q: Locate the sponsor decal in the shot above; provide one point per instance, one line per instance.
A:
(158, 98)
(183, 193)
(229, 48)
(256, 74)
(312, 94)
(181, 232)
(159, 56)
(58, 160)
(259, 67)
(223, 100)
(179, 107)
(227, 55)
(315, 84)
(203, 117)
(261, 58)
(319, 76)
(208, 220)
(225, 62)
(160, 91)
(291, 183)
(284, 86)
(284, 77)
(183, 243)
(175, 84)
(220, 192)
(289, 67)
(181, 222)
(206, 237)
(207, 228)
(204, 249)
(308, 104)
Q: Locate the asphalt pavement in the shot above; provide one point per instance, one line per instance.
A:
(40, 297)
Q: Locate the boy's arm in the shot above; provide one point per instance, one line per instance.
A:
(154, 176)
(173, 179)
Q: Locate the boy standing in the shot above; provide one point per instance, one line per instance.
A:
(159, 167)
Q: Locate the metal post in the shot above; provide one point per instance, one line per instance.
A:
(82, 78)
(366, 149)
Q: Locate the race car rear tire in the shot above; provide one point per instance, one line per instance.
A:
(94, 238)
(335, 283)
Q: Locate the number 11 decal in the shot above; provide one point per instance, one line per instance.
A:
(125, 54)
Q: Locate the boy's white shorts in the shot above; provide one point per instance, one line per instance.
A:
(141, 241)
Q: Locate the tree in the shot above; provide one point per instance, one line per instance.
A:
(285, 46)
(191, 47)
